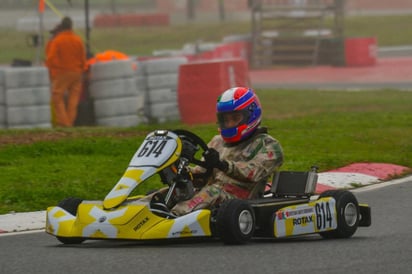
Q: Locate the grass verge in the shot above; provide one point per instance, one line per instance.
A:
(330, 129)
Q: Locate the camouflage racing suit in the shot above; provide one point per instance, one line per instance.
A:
(250, 164)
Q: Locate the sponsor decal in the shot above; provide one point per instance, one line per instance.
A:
(302, 220)
(194, 202)
(184, 232)
(189, 225)
(281, 215)
(302, 211)
(284, 214)
(198, 199)
(212, 191)
(141, 223)
(157, 138)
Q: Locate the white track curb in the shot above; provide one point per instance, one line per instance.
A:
(16, 222)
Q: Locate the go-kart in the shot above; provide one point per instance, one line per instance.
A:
(287, 207)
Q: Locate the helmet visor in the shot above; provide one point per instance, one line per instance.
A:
(232, 119)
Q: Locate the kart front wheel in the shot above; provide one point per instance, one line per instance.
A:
(70, 205)
(347, 210)
(235, 222)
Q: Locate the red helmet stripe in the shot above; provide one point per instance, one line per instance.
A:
(248, 102)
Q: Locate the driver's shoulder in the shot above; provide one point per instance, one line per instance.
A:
(262, 142)
(216, 142)
(260, 137)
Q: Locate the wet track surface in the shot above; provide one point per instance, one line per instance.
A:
(393, 72)
(382, 248)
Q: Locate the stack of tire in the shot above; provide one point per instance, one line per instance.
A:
(25, 98)
(2, 101)
(141, 84)
(116, 98)
(162, 77)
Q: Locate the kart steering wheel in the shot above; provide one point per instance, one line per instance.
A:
(195, 140)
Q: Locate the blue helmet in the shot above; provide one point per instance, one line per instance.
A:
(238, 113)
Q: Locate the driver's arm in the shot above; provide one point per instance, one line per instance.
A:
(259, 160)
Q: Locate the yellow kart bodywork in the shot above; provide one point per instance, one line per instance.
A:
(133, 221)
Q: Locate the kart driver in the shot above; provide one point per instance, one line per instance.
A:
(242, 157)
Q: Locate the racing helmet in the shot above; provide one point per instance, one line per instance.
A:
(238, 113)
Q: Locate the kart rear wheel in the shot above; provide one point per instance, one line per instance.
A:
(70, 205)
(235, 222)
(347, 209)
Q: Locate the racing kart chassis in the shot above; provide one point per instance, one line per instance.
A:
(289, 206)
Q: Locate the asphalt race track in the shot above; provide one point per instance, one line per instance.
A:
(382, 248)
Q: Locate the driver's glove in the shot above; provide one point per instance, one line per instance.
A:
(212, 160)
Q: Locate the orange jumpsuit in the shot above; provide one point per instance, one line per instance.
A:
(66, 60)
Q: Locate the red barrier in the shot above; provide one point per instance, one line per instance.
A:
(203, 56)
(360, 51)
(200, 83)
(239, 49)
(130, 20)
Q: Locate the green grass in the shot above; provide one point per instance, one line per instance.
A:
(389, 31)
(325, 128)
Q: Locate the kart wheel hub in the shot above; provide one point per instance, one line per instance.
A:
(350, 214)
(245, 222)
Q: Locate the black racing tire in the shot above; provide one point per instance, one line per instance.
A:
(235, 222)
(347, 209)
(70, 205)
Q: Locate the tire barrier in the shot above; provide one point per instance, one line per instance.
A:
(2, 116)
(117, 99)
(29, 116)
(120, 94)
(26, 77)
(116, 88)
(164, 65)
(2, 101)
(164, 112)
(162, 77)
(26, 98)
(140, 75)
(166, 80)
(112, 70)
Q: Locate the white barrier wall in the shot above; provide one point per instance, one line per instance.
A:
(26, 97)
(2, 101)
(161, 88)
(124, 93)
(141, 84)
(116, 98)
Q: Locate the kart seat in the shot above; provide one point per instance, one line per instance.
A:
(294, 184)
